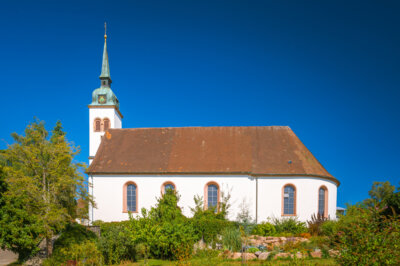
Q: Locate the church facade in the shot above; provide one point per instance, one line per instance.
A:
(266, 170)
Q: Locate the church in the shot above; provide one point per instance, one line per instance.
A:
(266, 169)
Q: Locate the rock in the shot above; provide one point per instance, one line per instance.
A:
(261, 238)
(282, 255)
(316, 254)
(257, 253)
(333, 253)
(263, 256)
(249, 256)
(283, 239)
(34, 261)
(236, 255)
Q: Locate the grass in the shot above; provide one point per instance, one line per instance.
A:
(219, 261)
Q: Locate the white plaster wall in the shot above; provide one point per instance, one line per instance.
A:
(107, 193)
(95, 137)
(270, 196)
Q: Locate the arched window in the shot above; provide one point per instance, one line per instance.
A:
(97, 125)
(130, 194)
(211, 195)
(289, 200)
(323, 201)
(106, 124)
(166, 186)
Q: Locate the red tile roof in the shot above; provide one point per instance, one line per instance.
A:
(273, 150)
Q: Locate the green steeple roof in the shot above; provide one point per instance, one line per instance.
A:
(105, 68)
(104, 96)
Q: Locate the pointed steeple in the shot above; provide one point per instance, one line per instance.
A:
(105, 68)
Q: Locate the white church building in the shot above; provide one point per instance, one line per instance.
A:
(266, 167)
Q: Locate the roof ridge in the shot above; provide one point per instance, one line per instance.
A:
(196, 127)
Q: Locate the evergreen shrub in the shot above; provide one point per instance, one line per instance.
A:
(264, 229)
(289, 226)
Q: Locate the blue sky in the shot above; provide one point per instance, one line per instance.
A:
(327, 69)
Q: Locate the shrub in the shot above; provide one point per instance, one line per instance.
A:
(231, 239)
(314, 225)
(367, 237)
(208, 224)
(73, 234)
(329, 228)
(252, 250)
(115, 243)
(289, 226)
(305, 235)
(164, 232)
(84, 253)
(264, 229)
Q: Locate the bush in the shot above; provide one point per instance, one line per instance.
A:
(115, 243)
(264, 229)
(314, 225)
(367, 237)
(286, 226)
(231, 239)
(74, 234)
(329, 228)
(208, 224)
(164, 232)
(252, 250)
(84, 253)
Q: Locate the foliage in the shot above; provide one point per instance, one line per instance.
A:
(252, 250)
(289, 225)
(314, 225)
(231, 239)
(43, 183)
(264, 229)
(367, 237)
(245, 219)
(329, 228)
(74, 234)
(379, 193)
(305, 235)
(164, 232)
(208, 223)
(115, 244)
(85, 253)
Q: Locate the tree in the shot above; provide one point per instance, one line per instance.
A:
(379, 192)
(43, 184)
(383, 196)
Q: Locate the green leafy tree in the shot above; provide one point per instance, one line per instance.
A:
(43, 184)
(379, 193)
(366, 237)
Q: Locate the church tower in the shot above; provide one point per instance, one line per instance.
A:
(104, 110)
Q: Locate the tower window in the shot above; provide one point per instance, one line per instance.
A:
(106, 124)
(97, 125)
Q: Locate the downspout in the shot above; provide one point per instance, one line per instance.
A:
(256, 200)
(91, 205)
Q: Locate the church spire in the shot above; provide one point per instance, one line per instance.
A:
(105, 68)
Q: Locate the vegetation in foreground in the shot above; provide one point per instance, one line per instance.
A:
(40, 182)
